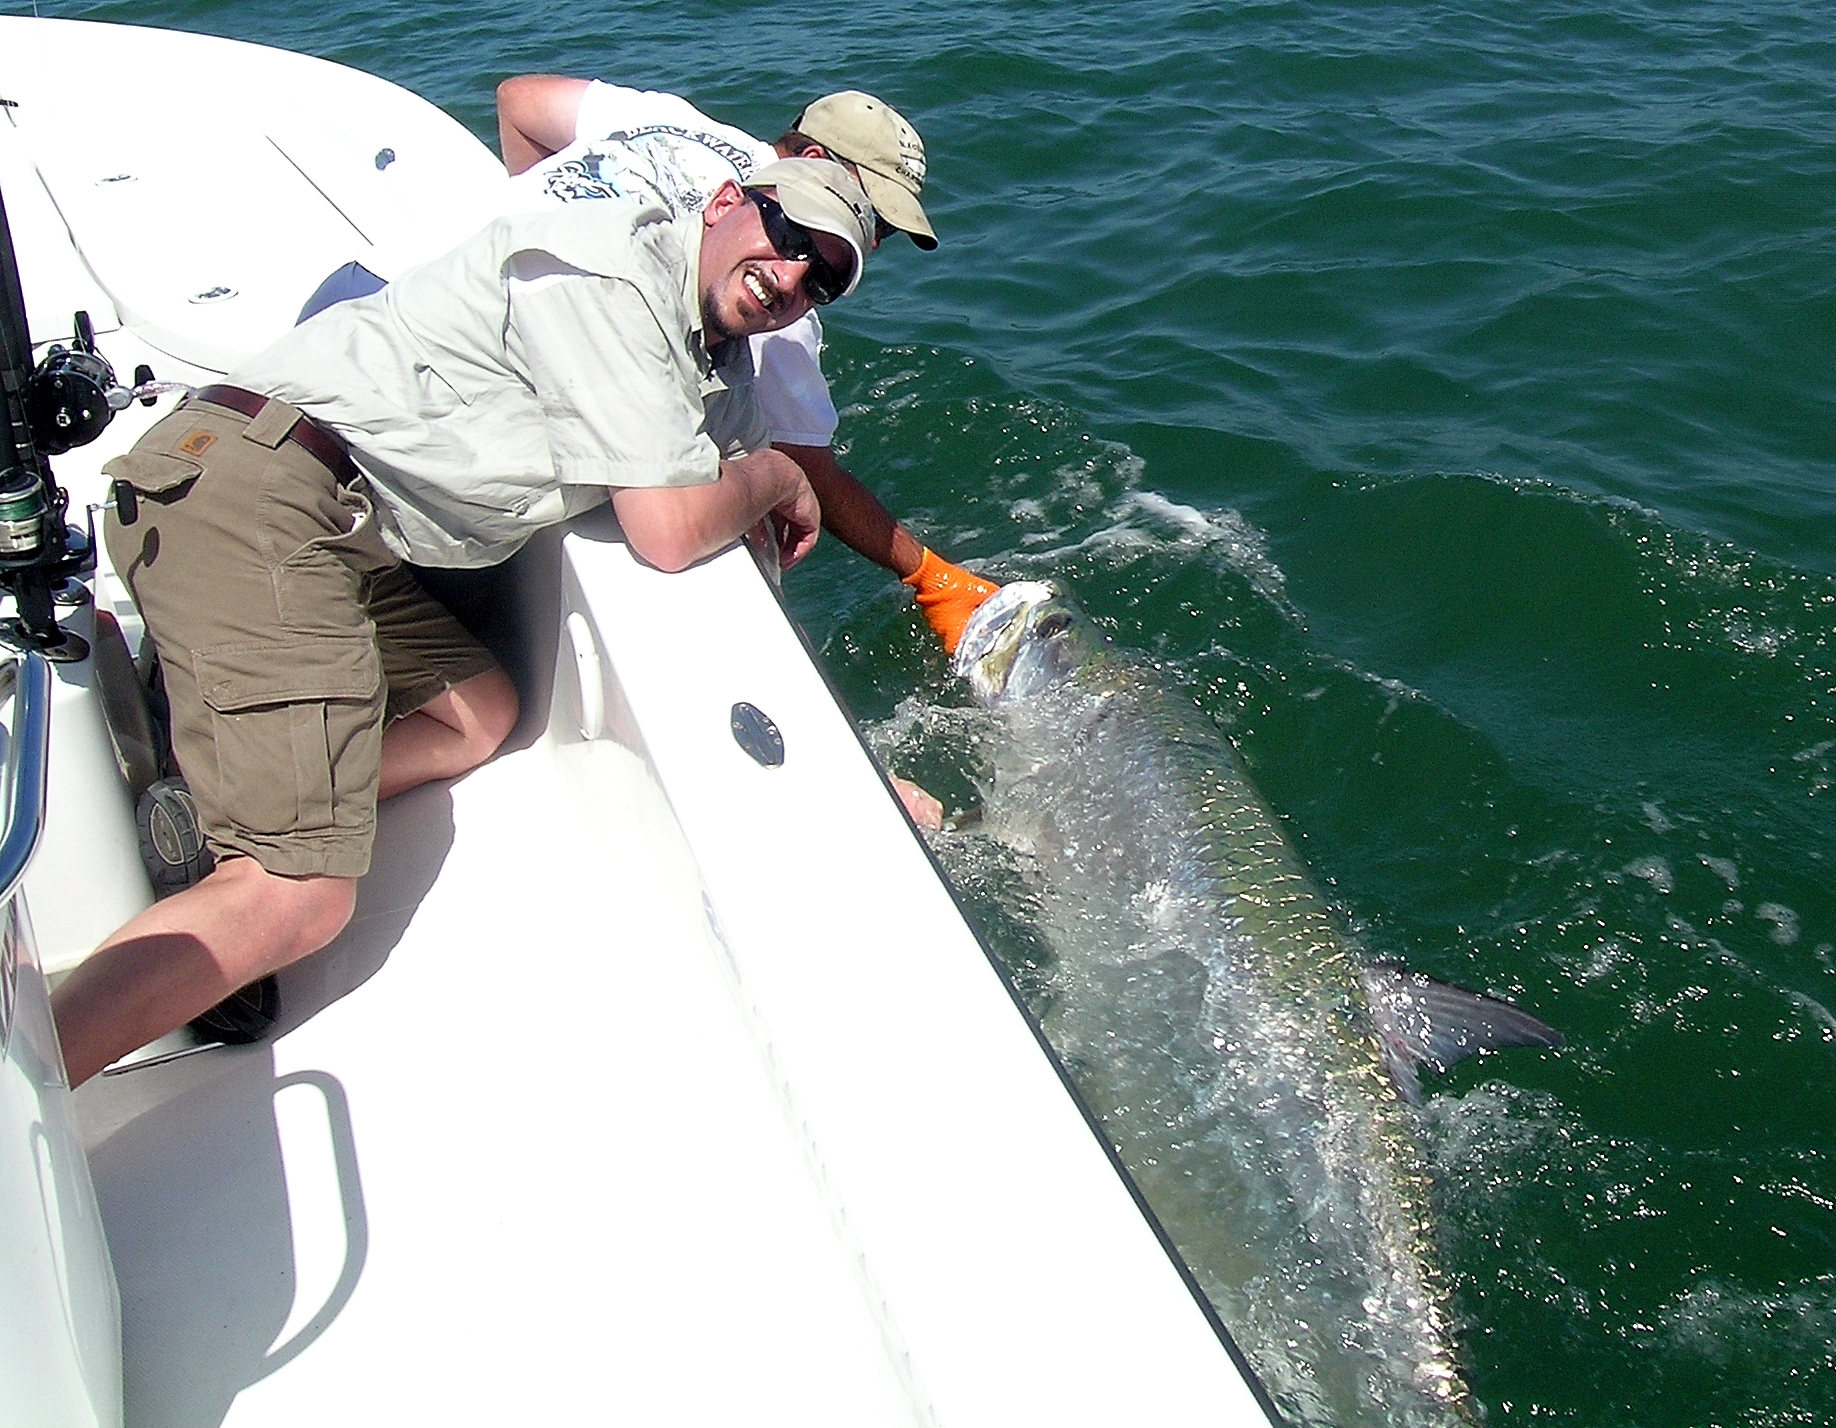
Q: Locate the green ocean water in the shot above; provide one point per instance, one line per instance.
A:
(1443, 394)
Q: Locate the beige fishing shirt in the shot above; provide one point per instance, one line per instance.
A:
(510, 383)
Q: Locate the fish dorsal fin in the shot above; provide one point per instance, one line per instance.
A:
(1420, 1021)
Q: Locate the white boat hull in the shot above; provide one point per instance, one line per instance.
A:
(649, 1083)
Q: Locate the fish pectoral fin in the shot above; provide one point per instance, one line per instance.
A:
(1420, 1021)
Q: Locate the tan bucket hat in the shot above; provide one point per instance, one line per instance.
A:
(823, 195)
(875, 138)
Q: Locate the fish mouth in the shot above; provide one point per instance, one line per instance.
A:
(992, 638)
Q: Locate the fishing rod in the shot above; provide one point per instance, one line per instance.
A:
(64, 401)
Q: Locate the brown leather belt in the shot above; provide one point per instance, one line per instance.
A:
(314, 439)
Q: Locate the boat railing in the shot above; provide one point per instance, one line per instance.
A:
(27, 679)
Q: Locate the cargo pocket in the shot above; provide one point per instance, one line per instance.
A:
(297, 726)
(320, 586)
(154, 474)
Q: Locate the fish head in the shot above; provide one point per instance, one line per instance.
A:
(1025, 637)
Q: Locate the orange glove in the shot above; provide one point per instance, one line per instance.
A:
(948, 595)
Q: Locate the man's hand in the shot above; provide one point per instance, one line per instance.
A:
(796, 521)
(920, 807)
(947, 595)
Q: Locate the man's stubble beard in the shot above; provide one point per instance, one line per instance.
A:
(715, 333)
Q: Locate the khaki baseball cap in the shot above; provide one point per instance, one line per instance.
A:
(823, 195)
(875, 138)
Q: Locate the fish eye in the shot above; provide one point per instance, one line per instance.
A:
(1052, 625)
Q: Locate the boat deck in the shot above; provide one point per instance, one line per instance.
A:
(574, 1120)
(517, 1153)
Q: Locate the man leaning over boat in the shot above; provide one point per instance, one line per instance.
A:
(547, 364)
(566, 139)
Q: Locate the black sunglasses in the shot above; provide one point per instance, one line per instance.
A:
(795, 243)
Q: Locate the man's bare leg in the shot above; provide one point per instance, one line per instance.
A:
(183, 955)
(188, 952)
(450, 734)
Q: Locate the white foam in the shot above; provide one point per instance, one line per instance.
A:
(1142, 524)
(1654, 869)
(1723, 868)
(1605, 958)
(1816, 1011)
(1725, 1326)
(1173, 512)
(1784, 922)
(1755, 640)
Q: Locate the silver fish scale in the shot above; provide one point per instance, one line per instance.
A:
(1207, 1002)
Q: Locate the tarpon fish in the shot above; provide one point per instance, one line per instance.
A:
(1254, 1072)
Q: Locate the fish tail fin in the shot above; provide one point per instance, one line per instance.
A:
(1420, 1021)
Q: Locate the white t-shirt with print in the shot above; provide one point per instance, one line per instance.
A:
(658, 148)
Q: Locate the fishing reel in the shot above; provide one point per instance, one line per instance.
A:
(71, 395)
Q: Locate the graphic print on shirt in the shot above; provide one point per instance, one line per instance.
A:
(662, 163)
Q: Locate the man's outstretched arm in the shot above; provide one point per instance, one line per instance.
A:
(853, 514)
(536, 117)
(672, 527)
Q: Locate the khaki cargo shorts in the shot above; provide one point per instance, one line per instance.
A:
(288, 633)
